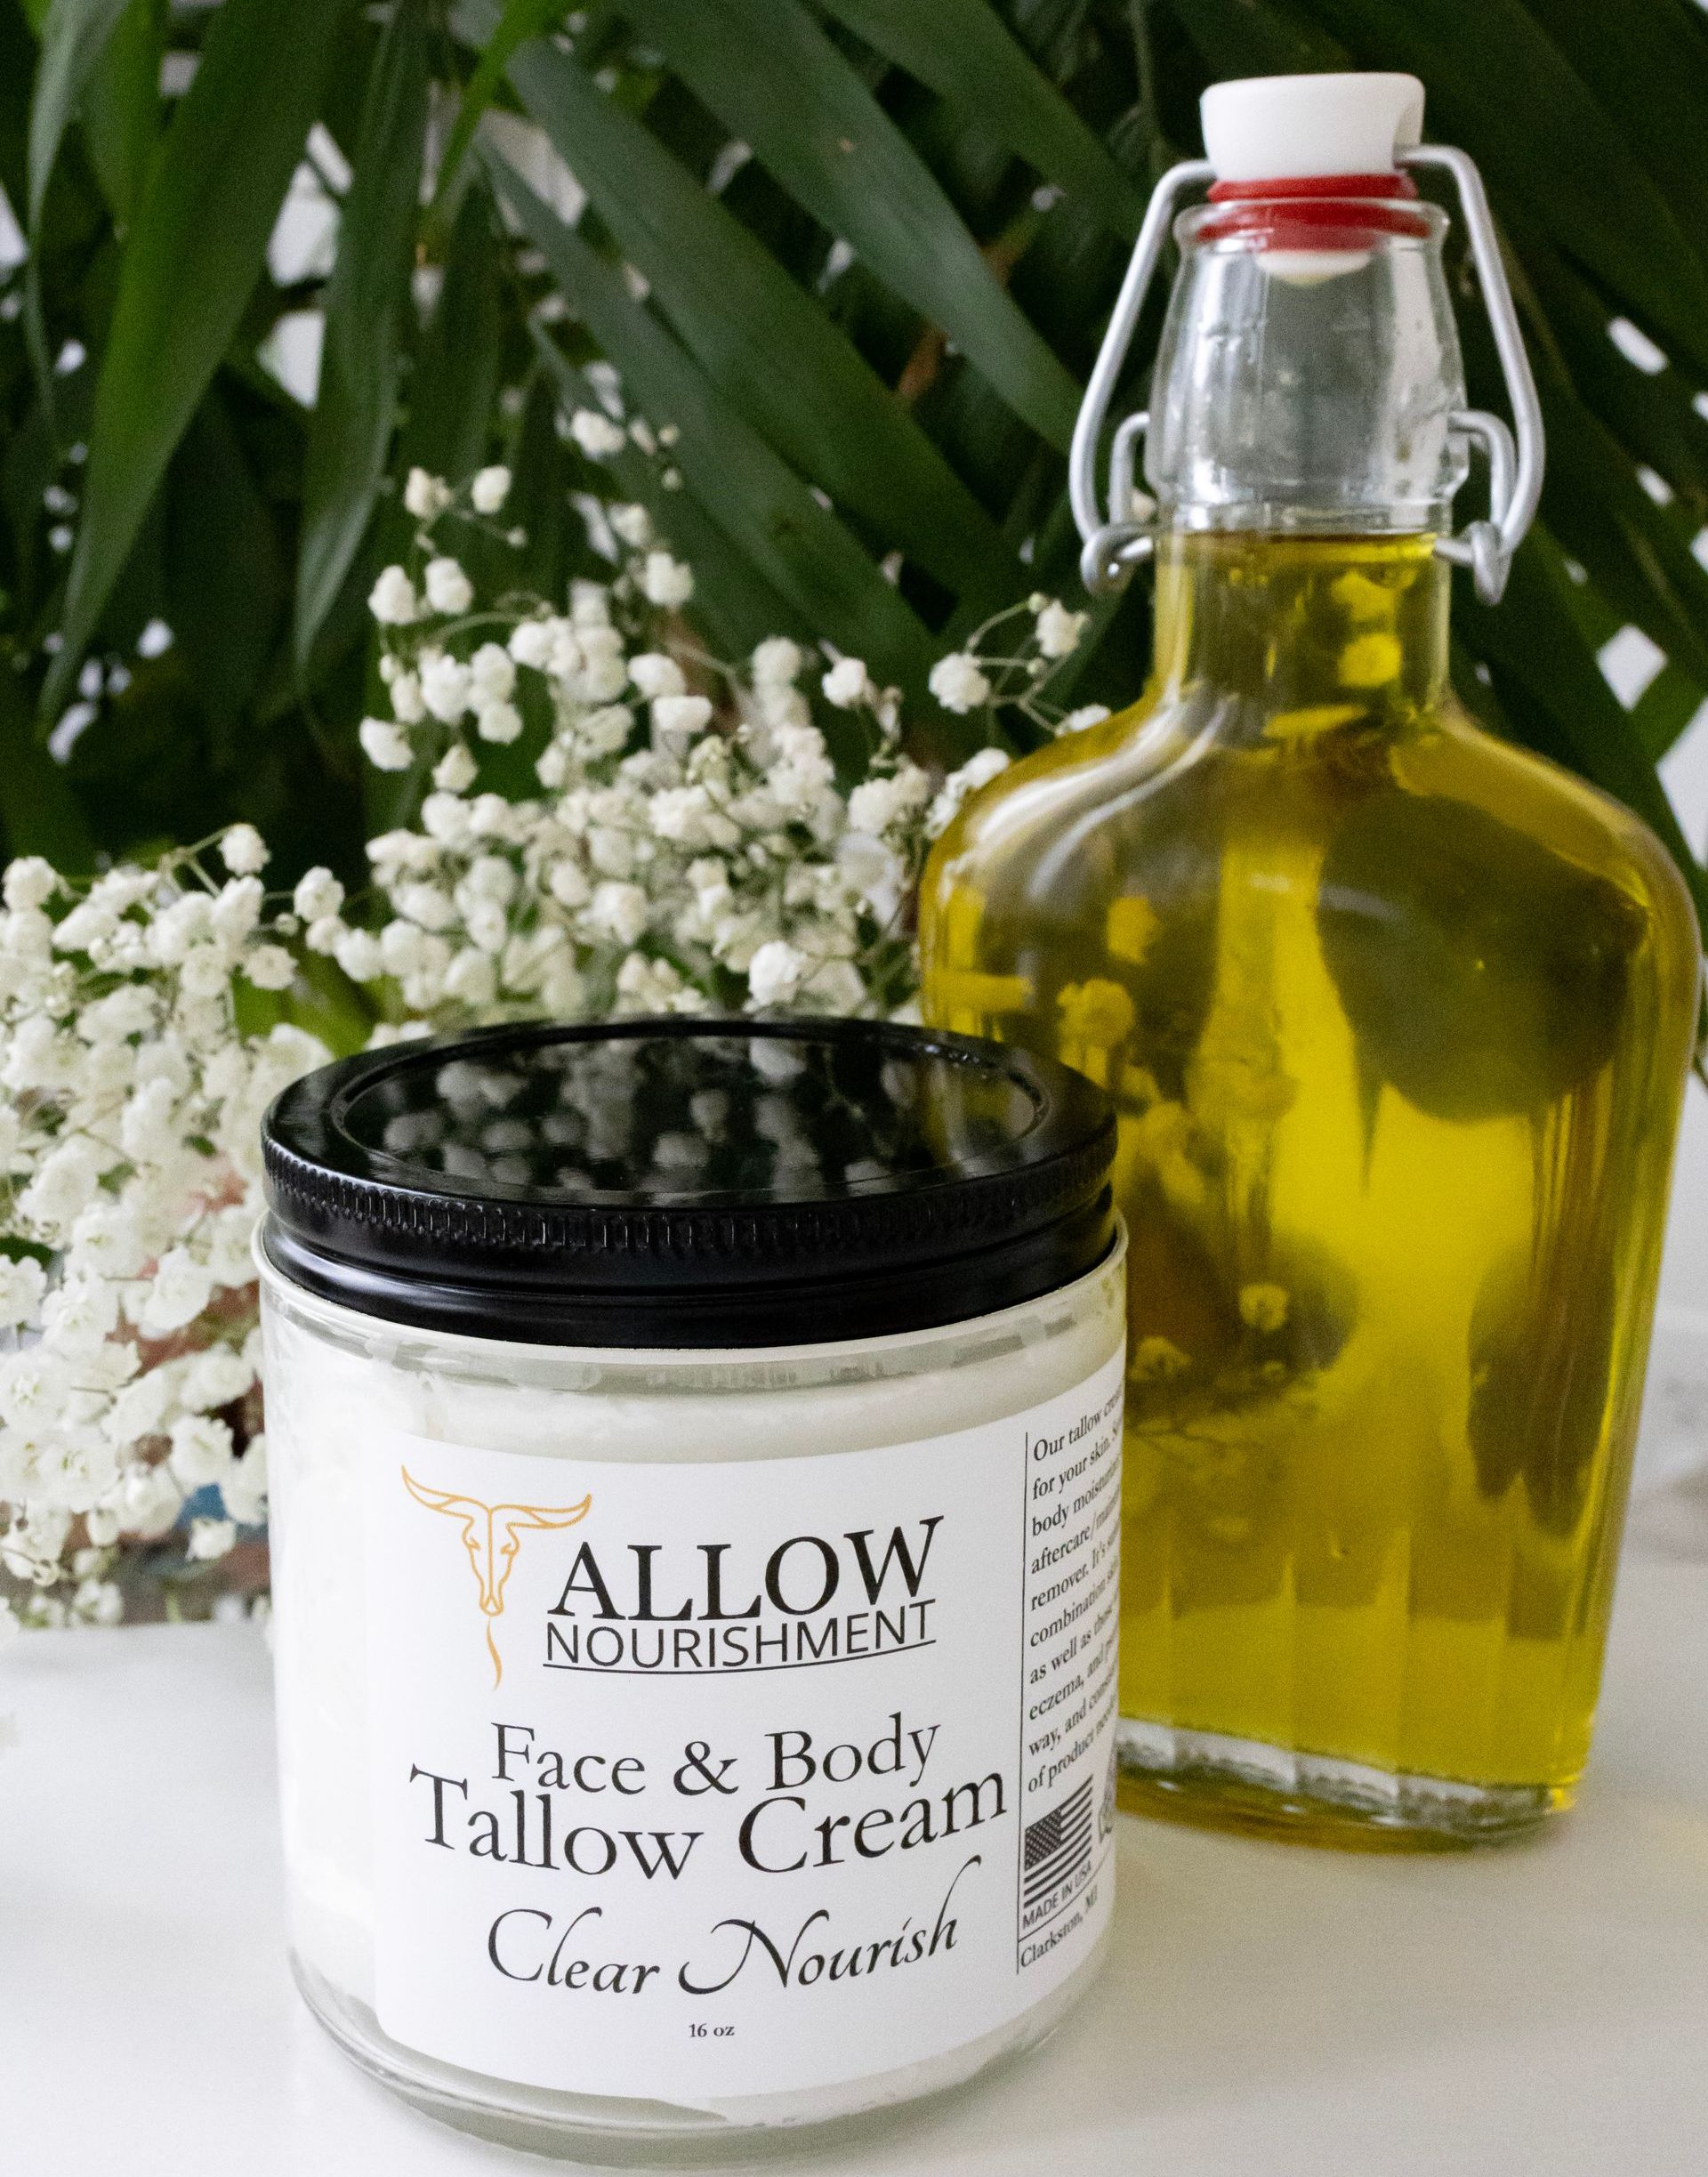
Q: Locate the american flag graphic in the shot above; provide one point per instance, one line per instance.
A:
(1057, 1845)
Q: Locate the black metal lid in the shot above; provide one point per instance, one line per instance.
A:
(688, 1182)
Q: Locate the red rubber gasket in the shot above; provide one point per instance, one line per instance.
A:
(1316, 211)
(1363, 185)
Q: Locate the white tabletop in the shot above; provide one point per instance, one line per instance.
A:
(1270, 2010)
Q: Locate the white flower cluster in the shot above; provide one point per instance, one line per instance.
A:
(130, 1112)
(694, 844)
(691, 846)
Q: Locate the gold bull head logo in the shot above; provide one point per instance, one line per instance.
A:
(492, 1534)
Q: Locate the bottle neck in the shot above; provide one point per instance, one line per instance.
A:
(1308, 388)
(1291, 635)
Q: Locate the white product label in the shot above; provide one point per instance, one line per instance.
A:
(705, 1779)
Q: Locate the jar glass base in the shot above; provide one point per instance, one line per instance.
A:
(1218, 1782)
(594, 2132)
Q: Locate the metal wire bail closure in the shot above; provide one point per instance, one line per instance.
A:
(1116, 541)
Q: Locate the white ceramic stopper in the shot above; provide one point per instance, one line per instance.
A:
(1275, 128)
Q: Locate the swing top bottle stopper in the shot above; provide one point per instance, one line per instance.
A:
(1304, 148)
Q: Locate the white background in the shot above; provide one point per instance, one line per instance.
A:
(1267, 2010)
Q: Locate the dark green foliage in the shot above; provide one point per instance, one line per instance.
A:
(350, 432)
(869, 331)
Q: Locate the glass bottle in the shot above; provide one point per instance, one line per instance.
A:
(1397, 1019)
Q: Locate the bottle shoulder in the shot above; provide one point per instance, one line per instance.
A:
(1098, 809)
(1561, 812)
(1483, 929)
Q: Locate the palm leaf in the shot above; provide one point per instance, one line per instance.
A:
(39, 810)
(747, 491)
(74, 35)
(778, 83)
(351, 434)
(769, 347)
(121, 107)
(963, 50)
(453, 385)
(920, 377)
(191, 260)
(730, 599)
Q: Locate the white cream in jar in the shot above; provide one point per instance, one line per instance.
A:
(695, 1455)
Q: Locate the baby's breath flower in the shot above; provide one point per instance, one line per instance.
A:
(445, 686)
(655, 674)
(98, 1603)
(589, 603)
(201, 1450)
(244, 1488)
(230, 1256)
(632, 525)
(243, 851)
(177, 926)
(498, 722)
(236, 911)
(392, 598)
(618, 911)
(776, 662)
(666, 582)
(429, 906)
(848, 683)
(406, 705)
(677, 717)
(150, 1502)
(269, 967)
(22, 1283)
(454, 772)
(29, 883)
(471, 978)
(317, 893)
(448, 589)
(179, 1290)
(530, 643)
(596, 435)
(877, 805)
(836, 988)
(594, 668)
(489, 490)
(385, 746)
(492, 673)
(80, 1312)
(603, 731)
(958, 682)
(65, 1184)
(1059, 630)
(876, 872)
(425, 496)
(978, 772)
(358, 953)
(775, 973)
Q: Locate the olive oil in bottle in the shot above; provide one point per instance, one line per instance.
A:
(1396, 1019)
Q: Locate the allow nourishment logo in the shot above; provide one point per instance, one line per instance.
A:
(492, 1534)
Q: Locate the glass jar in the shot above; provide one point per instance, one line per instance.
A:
(694, 1572)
